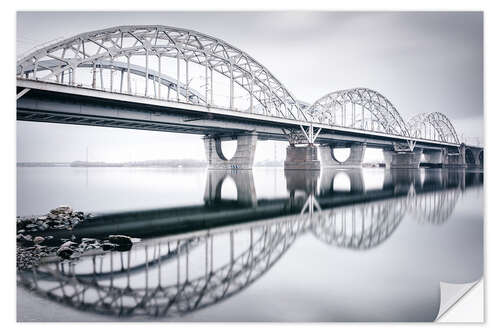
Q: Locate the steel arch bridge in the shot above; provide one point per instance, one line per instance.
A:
(369, 110)
(117, 49)
(175, 64)
(433, 126)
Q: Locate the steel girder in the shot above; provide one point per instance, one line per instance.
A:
(98, 49)
(422, 126)
(325, 110)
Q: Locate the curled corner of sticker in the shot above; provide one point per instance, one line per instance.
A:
(451, 293)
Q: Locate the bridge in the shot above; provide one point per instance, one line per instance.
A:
(196, 266)
(177, 80)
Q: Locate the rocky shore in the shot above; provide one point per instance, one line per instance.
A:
(32, 246)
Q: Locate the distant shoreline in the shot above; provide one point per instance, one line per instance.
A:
(164, 166)
(145, 164)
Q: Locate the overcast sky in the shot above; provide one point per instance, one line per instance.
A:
(422, 62)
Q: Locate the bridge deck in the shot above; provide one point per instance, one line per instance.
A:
(58, 103)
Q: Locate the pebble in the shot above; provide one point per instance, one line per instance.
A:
(65, 252)
(38, 240)
(29, 251)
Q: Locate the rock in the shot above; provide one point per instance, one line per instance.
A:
(42, 218)
(124, 243)
(24, 239)
(61, 210)
(89, 244)
(120, 239)
(38, 239)
(88, 240)
(65, 252)
(108, 246)
(31, 226)
(69, 244)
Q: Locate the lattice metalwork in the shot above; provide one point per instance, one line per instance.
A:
(359, 227)
(433, 126)
(358, 108)
(136, 60)
(181, 65)
(435, 207)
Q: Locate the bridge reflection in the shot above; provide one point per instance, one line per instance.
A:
(207, 254)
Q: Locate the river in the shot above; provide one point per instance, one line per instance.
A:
(267, 245)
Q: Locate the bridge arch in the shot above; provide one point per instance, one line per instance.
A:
(166, 291)
(369, 110)
(470, 159)
(433, 126)
(144, 51)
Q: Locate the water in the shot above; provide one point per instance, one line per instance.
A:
(267, 245)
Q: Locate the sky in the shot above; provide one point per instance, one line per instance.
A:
(420, 61)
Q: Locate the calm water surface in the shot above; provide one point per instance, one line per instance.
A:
(267, 245)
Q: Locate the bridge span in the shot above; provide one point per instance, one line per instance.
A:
(177, 80)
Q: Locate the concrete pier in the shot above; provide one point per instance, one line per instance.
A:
(455, 159)
(433, 156)
(243, 157)
(302, 158)
(355, 159)
(402, 159)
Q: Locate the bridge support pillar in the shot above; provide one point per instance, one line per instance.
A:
(402, 159)
(455, 159)
(355, 159)
(302, 158)
(478, 156)
(435, 157)
(243, 157)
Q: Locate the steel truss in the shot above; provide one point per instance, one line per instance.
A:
(113, 49)
(433, 126)
(121, 59)
(359, 108)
